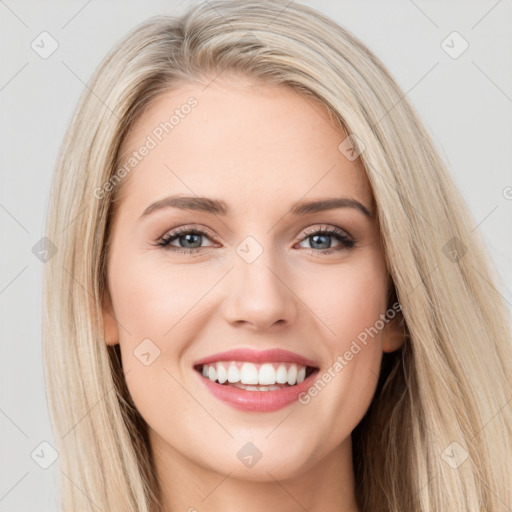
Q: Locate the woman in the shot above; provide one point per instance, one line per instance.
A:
(202, 352)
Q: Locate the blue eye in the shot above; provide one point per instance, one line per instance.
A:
(322, 236)
(190, 240)
(186, 237)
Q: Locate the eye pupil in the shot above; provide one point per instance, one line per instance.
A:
(189, 239)
(325, 237)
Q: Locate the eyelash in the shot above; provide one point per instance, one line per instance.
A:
(346, 241)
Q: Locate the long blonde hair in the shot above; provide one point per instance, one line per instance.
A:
(438, 432)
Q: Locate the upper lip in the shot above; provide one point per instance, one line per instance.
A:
(258, 356)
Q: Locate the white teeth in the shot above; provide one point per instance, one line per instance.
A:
(233, 373)
(281, 375)
(222, 374)
(257, 388)
(267, 374)
(264, 377)
(249, 374)
(292, 374)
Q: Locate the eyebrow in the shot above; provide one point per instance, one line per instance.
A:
(219, 207)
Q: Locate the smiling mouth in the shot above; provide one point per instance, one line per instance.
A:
(255, 377)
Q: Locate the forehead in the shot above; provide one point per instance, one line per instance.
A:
(247, 143)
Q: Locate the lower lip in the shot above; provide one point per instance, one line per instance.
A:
(257, 401)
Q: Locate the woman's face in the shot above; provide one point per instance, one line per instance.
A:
(267, 273)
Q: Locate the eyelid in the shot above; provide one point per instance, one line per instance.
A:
(325, 228)
(171, 233)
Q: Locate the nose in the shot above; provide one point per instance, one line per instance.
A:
(260, 295)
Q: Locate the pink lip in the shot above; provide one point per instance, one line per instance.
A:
(258, 356)
(257, 401)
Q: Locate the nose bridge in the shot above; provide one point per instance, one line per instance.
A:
(259, 293)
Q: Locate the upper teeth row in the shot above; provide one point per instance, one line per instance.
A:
(249, 373)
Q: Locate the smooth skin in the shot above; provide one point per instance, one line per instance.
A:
(258, 148)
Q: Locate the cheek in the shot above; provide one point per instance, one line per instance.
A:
(349, 308)
(158, 297)
(157, 306)
(347, 301)
(162, 307)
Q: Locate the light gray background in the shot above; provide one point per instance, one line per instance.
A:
(466, 104)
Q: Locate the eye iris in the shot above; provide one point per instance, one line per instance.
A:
(315, 240)
(189, 239)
